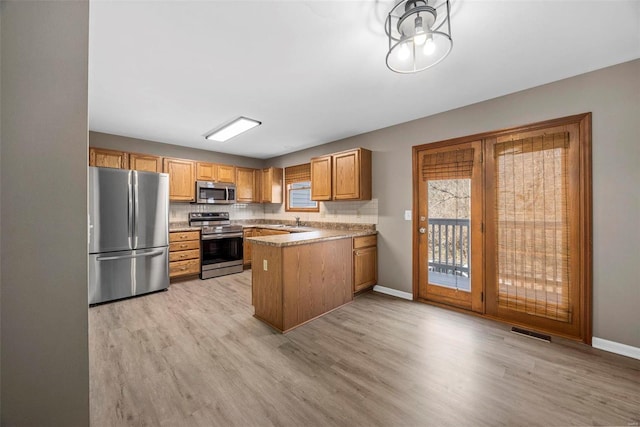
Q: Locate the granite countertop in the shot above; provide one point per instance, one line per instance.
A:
(305, 237)
(181, 226)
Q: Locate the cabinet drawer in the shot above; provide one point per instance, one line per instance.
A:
(183, 255)
(181, 268)
(181, 236)
(184, 246)
(365, 241)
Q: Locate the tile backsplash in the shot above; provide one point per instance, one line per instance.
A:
(357, 212)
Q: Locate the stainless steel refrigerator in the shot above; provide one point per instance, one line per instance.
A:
(128, 233)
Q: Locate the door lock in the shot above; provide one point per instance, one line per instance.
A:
(422, 230)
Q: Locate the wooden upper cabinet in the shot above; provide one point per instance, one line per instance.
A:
(245, 185)
(226, 173)
(145, 162)
(257, 186)
(215, 172)
(351, 175)
(321, 178)
(108, 158)
(272, 185)
(181, 179)
(206, 171)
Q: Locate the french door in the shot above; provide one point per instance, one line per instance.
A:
(450, 236)
(503, 225)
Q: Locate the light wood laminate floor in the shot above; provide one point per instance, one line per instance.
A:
(195, 356)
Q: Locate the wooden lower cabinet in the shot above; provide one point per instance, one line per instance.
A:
(292, 285)
(246, 245)
(184, 253)
(255, 232)
(365, 262)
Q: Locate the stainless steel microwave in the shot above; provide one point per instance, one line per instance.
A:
(213, 192)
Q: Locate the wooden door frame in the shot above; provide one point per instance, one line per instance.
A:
(585, 257)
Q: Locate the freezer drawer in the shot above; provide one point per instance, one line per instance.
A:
(116, 275)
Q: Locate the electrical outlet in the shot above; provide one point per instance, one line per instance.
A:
(265, 265)
(407, 215)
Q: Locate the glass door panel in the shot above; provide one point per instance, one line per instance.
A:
(448, 233)
(449, 228)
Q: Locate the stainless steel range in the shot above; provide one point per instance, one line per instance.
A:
(220, 246)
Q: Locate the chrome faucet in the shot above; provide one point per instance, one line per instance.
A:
(298, 221)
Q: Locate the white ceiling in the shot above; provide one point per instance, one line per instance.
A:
(314, 71)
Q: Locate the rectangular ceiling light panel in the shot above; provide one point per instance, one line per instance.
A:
(233, 128)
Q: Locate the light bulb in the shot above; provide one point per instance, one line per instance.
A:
(429, 46)
(419, 35)
(420, 38)
(404, 52)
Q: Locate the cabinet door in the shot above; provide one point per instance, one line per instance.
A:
(226, 173)
(246, 246)
(145, 162)
(365, 268)
(346, 176)
(108, 158)
(257, 186)
(181, 179)
(272, 185)
(321, 178)
(244, 185)
(206, 172)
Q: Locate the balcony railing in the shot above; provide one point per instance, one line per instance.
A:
(449, 255)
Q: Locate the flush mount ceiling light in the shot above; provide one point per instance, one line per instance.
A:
(233, 128)
(419, 33)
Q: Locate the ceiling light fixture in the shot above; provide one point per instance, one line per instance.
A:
(419, 33)
(233, 128)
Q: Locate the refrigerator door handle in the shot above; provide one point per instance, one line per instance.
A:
(135, 209)
(130, 212)
(115, 257)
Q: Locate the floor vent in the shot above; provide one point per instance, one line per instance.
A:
(531, 334)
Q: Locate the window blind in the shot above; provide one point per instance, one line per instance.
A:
(532, 227)
(298, 173)
(453, 164)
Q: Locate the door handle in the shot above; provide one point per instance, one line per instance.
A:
(422, 230)
(116, 257)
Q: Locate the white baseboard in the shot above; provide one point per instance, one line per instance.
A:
(393, 292)
(615, 347)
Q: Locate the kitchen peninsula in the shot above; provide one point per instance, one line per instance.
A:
(301, 276)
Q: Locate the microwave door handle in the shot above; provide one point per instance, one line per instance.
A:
(226, 191)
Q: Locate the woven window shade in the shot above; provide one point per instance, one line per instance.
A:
(299, 173)
(533, 226)
(454, 164)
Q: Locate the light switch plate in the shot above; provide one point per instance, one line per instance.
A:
(407, 215)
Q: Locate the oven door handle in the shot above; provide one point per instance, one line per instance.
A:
(220, 236)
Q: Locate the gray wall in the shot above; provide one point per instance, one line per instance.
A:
(613, 95)
(44, 363)
(123, 143)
